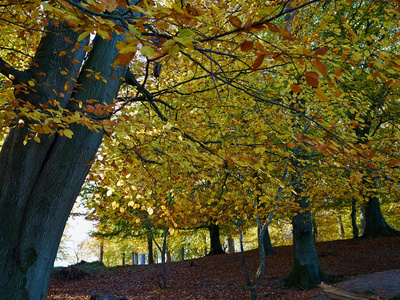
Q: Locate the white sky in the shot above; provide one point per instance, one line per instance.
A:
(77, 231)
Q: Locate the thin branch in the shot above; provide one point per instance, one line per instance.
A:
(130, 79)
(142, 158)
(17, 51)
(93, 13)
(241, 29)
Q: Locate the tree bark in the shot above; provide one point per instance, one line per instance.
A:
(150, 249)
(315, 229)
(306, 272)
(341, 227)
(268, 249)
(40, 181)
(123, 258)
(376, 225)
(363, 221)
(353, 217)
(215, 243)
(231, 245)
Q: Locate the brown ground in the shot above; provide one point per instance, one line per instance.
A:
(221, 276)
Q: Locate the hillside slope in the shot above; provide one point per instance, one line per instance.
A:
(221, 276)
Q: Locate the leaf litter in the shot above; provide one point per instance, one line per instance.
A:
(221, 276)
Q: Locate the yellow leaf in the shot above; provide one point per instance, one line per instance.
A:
(68, 133)
(150, 211)
(148, 51)
(31, 83)
(36, 139)
(321, 95)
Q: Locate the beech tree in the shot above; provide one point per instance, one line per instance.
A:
(42, 167)
(184, 88)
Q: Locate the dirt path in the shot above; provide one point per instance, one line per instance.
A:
(386, 284)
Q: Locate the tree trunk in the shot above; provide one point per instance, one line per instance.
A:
(268, 249)
(341, 227)
(150, 249)
(135, 258)
(315, 230)
(353, 217)
(306, 272)
(123, 258)
(231, 245)
(40, 181)
(169, 258)
(101, 251)
(215, 243)
(363, 221)
(376, 225)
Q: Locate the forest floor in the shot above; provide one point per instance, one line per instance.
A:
(221, 276)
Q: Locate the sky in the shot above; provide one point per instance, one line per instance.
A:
(77, 231)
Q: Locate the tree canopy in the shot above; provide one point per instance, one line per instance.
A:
(204, 112)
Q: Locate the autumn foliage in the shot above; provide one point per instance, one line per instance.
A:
(208, 112)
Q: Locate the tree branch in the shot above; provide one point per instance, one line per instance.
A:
(17, 76)
(130, 79)
(282, 13)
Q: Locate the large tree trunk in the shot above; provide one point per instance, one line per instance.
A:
(375, 225)
(306, 272)
(215, 243)
(40, 181)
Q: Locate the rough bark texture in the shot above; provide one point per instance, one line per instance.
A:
(215, 243)
(376, 225)
(40, 182)
(306, 272)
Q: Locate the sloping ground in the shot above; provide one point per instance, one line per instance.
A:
(221, 276)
